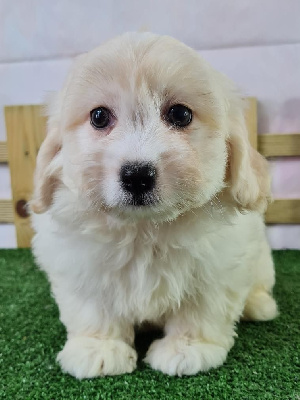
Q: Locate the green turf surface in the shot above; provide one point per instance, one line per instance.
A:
(264, 363)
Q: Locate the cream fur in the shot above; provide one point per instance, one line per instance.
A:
(192, 263)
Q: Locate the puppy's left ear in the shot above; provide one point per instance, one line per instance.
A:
(248, 175)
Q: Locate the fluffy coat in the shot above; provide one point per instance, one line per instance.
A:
(196, 260)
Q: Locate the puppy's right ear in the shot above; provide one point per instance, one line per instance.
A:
(48, 164)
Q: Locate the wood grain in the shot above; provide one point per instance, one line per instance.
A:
(6, 212)
(283, 211)
(25, 127)
(3, 152)
(278, 145)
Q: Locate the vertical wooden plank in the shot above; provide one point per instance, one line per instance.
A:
(25, 127)
(251, 120)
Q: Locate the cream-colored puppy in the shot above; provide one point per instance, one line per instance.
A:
(147, 207)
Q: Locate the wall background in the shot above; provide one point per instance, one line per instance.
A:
(255, 42)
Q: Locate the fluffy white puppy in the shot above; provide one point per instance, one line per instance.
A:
(147, 208)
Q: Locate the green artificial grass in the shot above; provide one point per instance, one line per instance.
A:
(264, 363)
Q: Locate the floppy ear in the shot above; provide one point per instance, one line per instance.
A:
(248, 175)
(49, 160)
(48, 163)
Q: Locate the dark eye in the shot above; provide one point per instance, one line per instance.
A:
(100, 117)
(179, 116)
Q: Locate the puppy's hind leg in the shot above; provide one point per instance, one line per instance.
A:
(260, 305)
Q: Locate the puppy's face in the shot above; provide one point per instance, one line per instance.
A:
(143, 125)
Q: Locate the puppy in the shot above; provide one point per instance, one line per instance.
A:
(148, 207)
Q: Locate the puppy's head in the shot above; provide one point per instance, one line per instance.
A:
(144, 128)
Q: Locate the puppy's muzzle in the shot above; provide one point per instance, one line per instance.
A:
(138, 181)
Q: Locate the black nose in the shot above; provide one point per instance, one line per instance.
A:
(138, 178)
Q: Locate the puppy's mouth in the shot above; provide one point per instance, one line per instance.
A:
(140, 200)
(148, 207)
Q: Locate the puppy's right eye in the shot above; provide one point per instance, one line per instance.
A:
(100, 117)
(179, 116)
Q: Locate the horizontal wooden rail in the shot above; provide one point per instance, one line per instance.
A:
(3, 152)
(269, 145)
(285, 211)
(6, 212)
(279, 145)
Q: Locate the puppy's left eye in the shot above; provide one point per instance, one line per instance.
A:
(100, 117)
(179, 116)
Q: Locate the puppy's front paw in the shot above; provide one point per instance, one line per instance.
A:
(181, 356)
(87, 357)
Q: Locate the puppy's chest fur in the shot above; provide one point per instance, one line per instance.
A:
(142, 273)
(138, 271)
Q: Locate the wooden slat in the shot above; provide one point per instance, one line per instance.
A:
(285, 211)
(3, 152)
(278, 145)
(25, 129)
(6, 211)
(251, 120)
